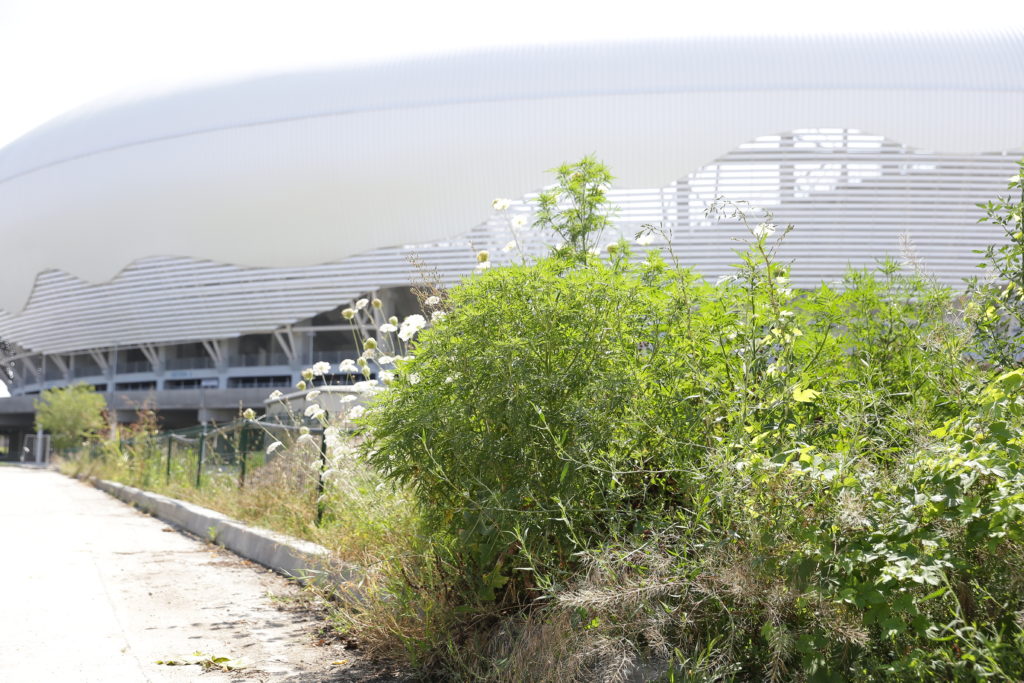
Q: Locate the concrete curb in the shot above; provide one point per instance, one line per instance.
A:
(292, 557)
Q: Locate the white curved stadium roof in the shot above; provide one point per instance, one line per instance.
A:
(190, 190)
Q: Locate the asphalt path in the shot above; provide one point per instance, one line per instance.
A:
(93, 590)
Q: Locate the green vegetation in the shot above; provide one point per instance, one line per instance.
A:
(608, 468)
(72, 415)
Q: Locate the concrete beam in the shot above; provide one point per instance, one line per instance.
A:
(289, 556)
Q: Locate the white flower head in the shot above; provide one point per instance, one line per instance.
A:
(385, 360)
(645, 240)
(306, 438)
(348, 313)
(356, 412)
(482, 266)
(410, 326)
(308, 374)
(273, 447)
(276, 395)
(366, 386)
(362, 303)
(348, 398)
(724, 279)
(321, 368)
(314, 411)
(348, 365)
(764, 230)
(519, 221)
(509, 246)
(595, 251)
(785, 314)
(388, 328)
(437, 316)
(501, 204)
(249, 414)
(414, 378)
(312, 395)
(432, 301)
(386, 376)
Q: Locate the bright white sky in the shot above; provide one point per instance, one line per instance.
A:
(57, 54)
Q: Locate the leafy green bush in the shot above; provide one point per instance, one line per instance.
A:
(616, 460)
(71, 415)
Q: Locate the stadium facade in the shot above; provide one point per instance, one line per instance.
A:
(191, 250)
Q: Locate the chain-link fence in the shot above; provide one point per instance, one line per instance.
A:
(231, 454)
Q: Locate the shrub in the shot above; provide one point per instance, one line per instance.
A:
(72, 415)
(734, 478)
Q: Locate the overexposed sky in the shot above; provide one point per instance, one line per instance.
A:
(57, 54)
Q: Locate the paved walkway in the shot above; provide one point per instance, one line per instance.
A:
(93, 590)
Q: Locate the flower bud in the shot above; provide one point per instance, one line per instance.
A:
(307, 374)
(482, 256)
(370, 343)
(393, 320)
(361, 362)
(376, 303)
(348, 313)
(301, 386)
(249, 414)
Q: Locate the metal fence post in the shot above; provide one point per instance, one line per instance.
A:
(170, 443)
(243, 455)
(320, 480)
(199, 457)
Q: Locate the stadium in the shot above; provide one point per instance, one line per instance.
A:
(191, 250)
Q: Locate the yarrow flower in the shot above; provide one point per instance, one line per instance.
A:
(501, 204)
(482, 266)
(414, 378)
(437, 316)
(387, 328)
(645, 240)
(764, 230)
(312, 395)
(410, 326)
(519, 221)
(385, 360)
(321, 368)
(348, 398)
(509, 246)
(366, 386)
(348, 365)
(356, 412)
(432, 301)
(386, 376)
(314, 411)
(276, 395)
(361, 304)
(273, 447)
